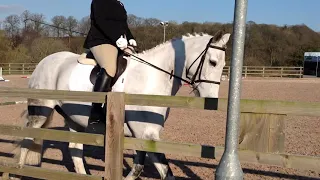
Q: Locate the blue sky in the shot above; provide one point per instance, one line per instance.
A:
(278, 12)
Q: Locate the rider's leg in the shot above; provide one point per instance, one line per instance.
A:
(106, 57)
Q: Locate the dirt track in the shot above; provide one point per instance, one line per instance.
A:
(205, 127)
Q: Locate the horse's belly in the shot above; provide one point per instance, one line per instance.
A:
(80, 78)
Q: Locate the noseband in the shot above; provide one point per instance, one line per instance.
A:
(199, 68)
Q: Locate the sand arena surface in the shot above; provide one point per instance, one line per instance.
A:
(193, 126)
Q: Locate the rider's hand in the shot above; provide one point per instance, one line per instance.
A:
(133, 42)
(122, 43)
(129, 50)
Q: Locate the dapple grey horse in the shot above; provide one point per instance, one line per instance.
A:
(201, 56)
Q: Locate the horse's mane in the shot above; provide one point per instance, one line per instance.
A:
(182, 37)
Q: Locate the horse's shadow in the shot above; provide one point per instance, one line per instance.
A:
(149, 171)
(88, 151)
(93, 152)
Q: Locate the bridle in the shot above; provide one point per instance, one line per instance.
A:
(191, 80)
(200, 66)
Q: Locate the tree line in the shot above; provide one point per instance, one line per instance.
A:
(29, 37)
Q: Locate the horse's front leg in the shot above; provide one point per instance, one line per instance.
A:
(161, 163)
(159, 159)
(138, 165)
(76, 153)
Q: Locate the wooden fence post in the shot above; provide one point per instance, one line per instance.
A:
(262, 132)
(114, 136)
(5, 176)
(246, 72)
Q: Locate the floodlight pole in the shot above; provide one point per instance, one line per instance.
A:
(164, 24)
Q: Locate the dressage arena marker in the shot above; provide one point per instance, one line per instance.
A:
(1, 78)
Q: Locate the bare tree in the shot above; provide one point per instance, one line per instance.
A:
(58, 23)
(71, 25)
(37, 22)
(134, 21)
(47, 31)
(12, 26)
(152, 22)
(25, 17)
(84, 25)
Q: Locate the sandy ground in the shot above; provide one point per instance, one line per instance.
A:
(194, 126)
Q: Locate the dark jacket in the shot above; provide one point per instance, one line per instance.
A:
(108, 23)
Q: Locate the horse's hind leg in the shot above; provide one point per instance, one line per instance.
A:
(39, 115)
(75, 149)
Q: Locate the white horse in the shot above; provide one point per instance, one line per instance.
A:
(198, 56)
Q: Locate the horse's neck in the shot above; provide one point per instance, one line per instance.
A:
(170, 56)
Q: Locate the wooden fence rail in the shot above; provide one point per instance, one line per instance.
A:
(266, 113)
(17, 68)
(248, 71)
(194, 150)
(42, 173)
(247, 105)
(268, 71)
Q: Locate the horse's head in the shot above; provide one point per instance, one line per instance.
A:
(206, 71)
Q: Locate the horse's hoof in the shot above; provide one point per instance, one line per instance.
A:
(130, 178)
(170, 178)
(135, 172)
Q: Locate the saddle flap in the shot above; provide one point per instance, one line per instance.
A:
(121, 67)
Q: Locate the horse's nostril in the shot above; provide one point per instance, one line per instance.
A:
(213, 63)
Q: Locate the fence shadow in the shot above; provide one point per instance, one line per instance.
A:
(149, 171)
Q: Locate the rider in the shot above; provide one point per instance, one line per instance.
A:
(108, 34)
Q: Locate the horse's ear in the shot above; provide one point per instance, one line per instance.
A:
(225, 38)
(217, 36)
(221, 37)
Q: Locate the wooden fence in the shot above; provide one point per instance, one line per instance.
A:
(261, 144)
(17, 68)
(248, 71)
(268, 71)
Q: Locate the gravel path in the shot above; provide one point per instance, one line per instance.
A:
(194, 126)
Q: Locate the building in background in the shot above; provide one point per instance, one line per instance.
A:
(311, 64)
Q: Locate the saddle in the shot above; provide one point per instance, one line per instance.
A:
(89, 59)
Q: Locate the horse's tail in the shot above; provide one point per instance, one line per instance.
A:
(38, 115)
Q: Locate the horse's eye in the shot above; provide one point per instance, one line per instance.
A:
(213, 63)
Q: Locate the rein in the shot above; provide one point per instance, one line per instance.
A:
(191, 80)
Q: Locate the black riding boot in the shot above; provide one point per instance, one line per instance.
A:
(97, 119)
